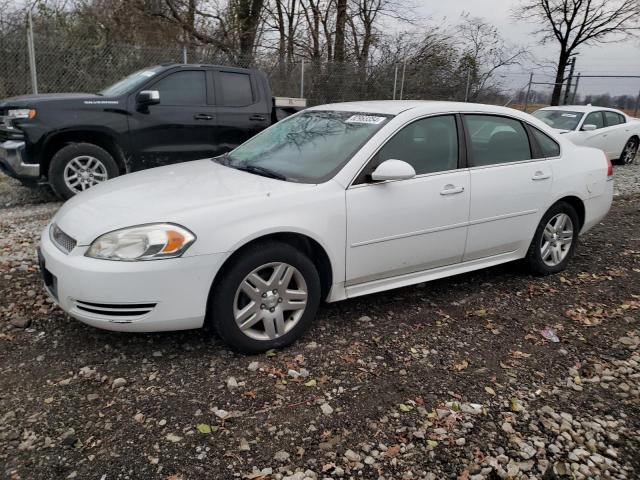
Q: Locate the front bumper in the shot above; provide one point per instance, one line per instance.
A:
(146, 296)
(12, 153)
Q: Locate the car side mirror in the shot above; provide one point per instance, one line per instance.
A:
(589, 127)
(393, 170)
(148, 97)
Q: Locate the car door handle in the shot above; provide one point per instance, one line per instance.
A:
(202, 116)
(451, 190)
(540, 176)
(257, 118)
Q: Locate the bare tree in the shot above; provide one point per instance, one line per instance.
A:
(573, 23)
(484, 53)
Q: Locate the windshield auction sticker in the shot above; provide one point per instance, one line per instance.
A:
(365, 119)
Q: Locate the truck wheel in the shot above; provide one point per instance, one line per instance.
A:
(77, 167)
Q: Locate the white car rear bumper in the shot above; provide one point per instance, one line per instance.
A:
(144, 296)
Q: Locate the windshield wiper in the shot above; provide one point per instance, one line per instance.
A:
(265, 172)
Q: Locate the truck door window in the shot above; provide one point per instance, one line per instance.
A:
(182, 88)
(235, 89)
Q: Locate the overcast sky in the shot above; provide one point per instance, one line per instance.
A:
(622, 58)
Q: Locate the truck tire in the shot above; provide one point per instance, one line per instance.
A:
(76, 167)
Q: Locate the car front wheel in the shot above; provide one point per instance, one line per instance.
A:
(266, 298)
(555, 240)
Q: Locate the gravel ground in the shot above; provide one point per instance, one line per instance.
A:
(449, 379)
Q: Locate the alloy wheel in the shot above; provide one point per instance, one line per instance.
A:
(270, 301)
(630, 152)
(557, 238)
(84, 172)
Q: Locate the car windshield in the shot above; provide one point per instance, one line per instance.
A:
(310, 147)
(130, 83)
(559, 119)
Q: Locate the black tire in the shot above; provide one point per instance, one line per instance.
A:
(71, 151)
(534, 259)
(223, 295)
(627, 156)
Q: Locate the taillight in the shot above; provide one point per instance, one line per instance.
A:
(609, 167)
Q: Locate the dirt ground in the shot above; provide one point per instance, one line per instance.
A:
(449, 379)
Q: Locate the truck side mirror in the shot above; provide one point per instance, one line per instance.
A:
(148, 97)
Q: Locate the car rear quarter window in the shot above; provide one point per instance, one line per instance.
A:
(495, 139)
(429, 145)
(235, 89)
(594, 118)
(182, 88)
(548, 145)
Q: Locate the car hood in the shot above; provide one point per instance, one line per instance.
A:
(182, 193)
(35, 100)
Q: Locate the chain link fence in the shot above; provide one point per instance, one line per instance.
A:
(70, 65)
(65, 64)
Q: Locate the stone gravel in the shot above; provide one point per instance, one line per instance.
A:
(449, 379)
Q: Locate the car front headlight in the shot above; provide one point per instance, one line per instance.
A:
(146, 242)
(22, 113)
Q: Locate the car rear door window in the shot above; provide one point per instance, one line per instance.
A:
(495, 139)
(429, 145)
(182, 88)
(548, 145)
(594, 118)
(235, 89)
(613, 118)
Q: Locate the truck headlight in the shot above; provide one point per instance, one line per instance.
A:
(26, 113)
(146, 242)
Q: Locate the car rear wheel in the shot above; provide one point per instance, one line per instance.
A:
(555, 240)
(266, 299)
(78, 167)
(630, 151)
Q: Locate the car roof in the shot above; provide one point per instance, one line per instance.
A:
(581, 108)
(396, 107)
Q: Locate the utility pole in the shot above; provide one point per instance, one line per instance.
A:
(526, 98)
(31, 52)
(302, 77)
(404, 67)
(575, 89)
(567, 90)
(466, 92)
(395, 82)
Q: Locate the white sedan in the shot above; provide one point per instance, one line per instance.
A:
(332, 203)
(613, 132)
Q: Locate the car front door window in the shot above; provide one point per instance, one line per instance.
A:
(429, 145)
(594, 118)
(496, 140)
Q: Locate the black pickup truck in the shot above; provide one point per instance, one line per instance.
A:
(156, 116)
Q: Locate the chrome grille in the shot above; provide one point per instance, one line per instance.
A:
(61, 240)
